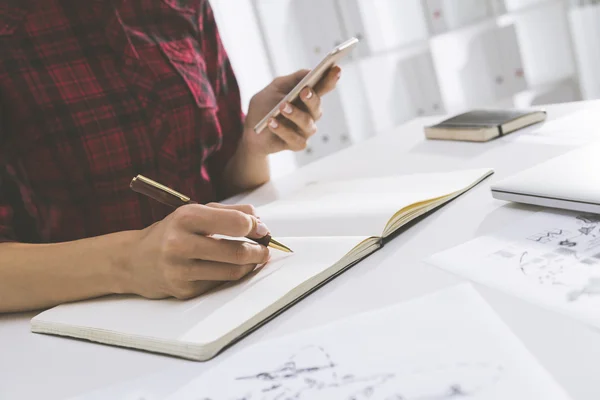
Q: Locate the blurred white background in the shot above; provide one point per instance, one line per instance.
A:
(416, 57)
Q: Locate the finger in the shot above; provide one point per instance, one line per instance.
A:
(259, 231)
(287, 82)
(213, 271)
(312, 103)
(293, 140)
(245, 208)
(194, 247)
(200, 219)
(329, 81)
(302, 119)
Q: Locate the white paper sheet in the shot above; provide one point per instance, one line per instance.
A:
(443, 346)
(551, 258)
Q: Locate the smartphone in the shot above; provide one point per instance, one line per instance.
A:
(311, 79)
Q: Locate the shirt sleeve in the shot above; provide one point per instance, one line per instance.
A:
(6, 211)
(226, 88)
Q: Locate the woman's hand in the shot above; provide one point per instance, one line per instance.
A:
(296, 123)
(249, 167)
(177, 257)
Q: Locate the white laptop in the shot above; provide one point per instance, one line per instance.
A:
(570, 181)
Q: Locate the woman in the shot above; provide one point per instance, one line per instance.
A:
(92, 94)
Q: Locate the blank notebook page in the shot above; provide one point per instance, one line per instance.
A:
(208, 317)
(360, 207)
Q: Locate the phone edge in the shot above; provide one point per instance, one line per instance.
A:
(262, 124)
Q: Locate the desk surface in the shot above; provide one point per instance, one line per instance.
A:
(38, 366)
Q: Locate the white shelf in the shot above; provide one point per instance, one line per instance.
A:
(416, 46)
(400, 86)
(476, 25)
(383, 25)
(560, 91)
(585, 25)
(516, 7)
(544, 39)
(490, 52)
(448, 15)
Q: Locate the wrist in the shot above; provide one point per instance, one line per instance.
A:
(247, 169)
(120, 274)
(250, 148)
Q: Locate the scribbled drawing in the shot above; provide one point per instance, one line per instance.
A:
(587, 230)
(312, 374)
(590, 223)
(543, 271)
(589, 219)
(565, 237)
(569, 258)
(562, 271)
(523, 257)
(309, 372)
(447, 382)
(292, 368)
(567, 243)
(546, 236)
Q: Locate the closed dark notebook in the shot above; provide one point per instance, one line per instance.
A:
(483, 125)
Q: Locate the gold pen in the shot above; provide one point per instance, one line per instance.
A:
(170, 197)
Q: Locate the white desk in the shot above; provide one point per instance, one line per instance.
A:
(37, 366)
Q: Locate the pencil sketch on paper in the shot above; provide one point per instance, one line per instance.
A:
(568, 256)
(312, 373)
(546, 236)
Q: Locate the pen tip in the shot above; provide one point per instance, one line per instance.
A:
(279, 246)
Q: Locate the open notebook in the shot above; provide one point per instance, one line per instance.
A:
(329, 225)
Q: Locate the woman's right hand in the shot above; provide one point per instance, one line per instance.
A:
(177, 257)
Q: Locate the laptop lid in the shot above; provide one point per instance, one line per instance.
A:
(570, 181)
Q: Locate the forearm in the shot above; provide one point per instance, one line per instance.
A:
(246, 170)
(34, 276)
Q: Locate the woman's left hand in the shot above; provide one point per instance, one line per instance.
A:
(296, 123)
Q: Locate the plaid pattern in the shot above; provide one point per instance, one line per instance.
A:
(95, 92)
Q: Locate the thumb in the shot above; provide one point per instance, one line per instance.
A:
(288, 82)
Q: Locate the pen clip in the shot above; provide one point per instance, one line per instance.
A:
(158, 192)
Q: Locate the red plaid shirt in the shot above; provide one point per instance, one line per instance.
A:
(94, 92)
